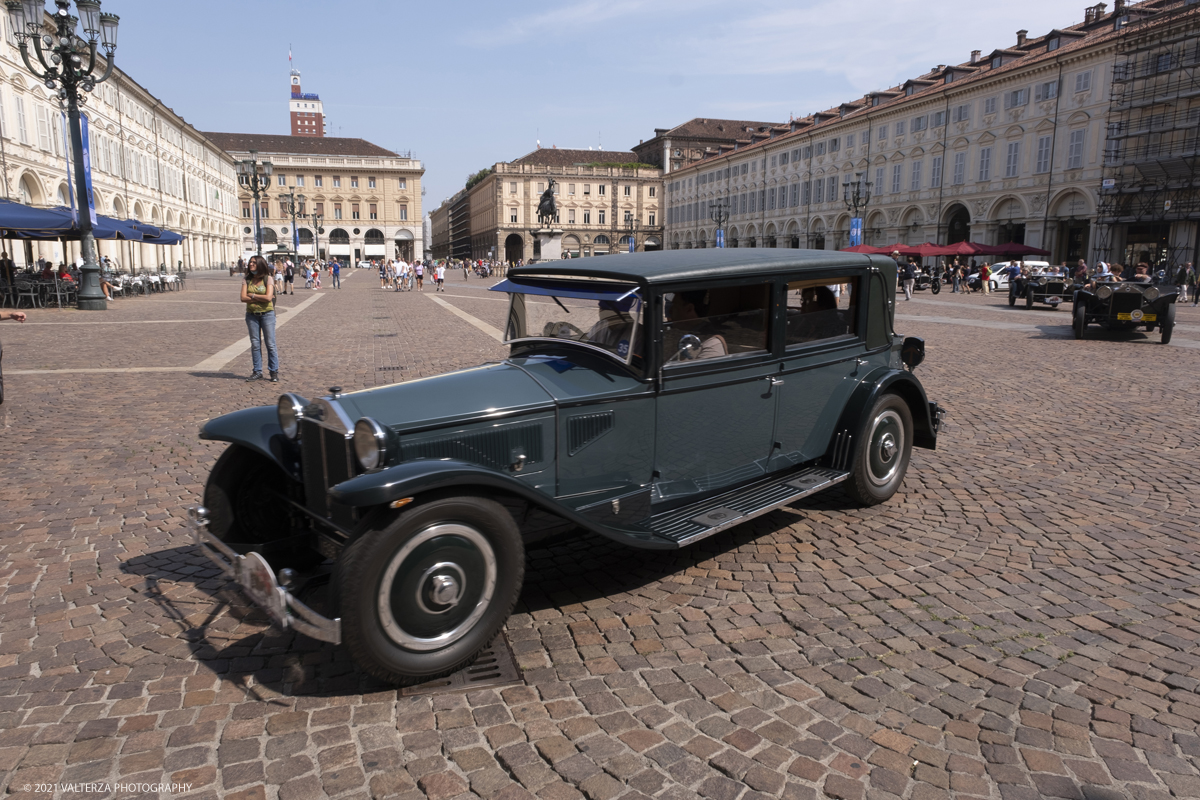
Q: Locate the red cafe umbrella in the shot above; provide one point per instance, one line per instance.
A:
(861, 248)
(905, 250)
(959, 249)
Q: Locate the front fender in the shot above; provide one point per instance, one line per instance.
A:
(411, 478)
(908, 387)
(255, 428)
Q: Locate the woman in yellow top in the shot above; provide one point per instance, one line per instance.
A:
(258, 293)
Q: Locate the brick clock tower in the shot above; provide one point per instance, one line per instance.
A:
(308, 117)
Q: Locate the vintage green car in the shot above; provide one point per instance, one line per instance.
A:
(655, 399)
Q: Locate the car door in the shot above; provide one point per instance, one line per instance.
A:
(824, 357)
(715, 412)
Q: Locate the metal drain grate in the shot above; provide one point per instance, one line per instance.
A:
(494, 667)
(389, 369)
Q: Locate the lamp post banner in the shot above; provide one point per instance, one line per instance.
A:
(70, 183)
(856, 231)
(720, 237)
(87, 169)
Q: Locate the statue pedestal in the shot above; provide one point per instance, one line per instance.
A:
(549, 244)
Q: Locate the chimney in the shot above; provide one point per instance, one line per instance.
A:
(1089, 14)
(1021, 37)
(974, 56)
(1118, 7)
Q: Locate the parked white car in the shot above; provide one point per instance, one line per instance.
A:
(999, 279)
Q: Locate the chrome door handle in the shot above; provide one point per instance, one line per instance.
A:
(775, 381)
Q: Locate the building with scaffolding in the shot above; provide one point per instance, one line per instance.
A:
(1149, 205)
(1007, 146)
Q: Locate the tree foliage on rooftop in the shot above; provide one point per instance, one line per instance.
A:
(472, 180)
(621, 165)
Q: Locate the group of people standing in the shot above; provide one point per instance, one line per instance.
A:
(401, 276)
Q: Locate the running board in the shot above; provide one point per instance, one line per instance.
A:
(699, 520)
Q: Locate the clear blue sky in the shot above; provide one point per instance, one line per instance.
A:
(464, 84)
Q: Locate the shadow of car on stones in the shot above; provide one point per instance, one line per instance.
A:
(206, 618)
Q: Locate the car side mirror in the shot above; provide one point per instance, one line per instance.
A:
(689, 346)
(912, 352)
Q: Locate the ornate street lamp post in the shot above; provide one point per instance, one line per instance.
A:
(256, 176)
(718, 212)
(295, 205)
(317, 219)
(67, 62)
(631, 226)
(856, 194)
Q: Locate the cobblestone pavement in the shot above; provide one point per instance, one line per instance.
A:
(1019, 622)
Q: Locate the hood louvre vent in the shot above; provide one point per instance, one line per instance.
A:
(496, 448)
(584, 429)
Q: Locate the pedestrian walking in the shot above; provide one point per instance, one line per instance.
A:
(289, 279)
(439, 274)
(258, 293)
(419, 270)
(335, 274)
(985, 278)
(908, 274)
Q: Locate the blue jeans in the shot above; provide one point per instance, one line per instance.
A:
(337, 279)
(262, 326)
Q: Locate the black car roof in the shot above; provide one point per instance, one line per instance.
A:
(674, 266)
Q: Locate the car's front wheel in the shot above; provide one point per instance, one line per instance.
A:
(422, 596)
(246, 497)
(882, 454)
(1168, 324)
(936, 286)
(1029, 298)
(1079, 323)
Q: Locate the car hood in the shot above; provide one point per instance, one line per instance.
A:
(466, 395)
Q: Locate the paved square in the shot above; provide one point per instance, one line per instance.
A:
(1019, 622)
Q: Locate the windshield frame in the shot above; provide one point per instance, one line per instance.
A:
(591, 290)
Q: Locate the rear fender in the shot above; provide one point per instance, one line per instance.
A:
(376, 490)
(255, 428)
(880, 381)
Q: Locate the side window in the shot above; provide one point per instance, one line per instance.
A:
(715, 323)
(820, 311)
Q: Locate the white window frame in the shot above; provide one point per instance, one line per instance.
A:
(1012, 160)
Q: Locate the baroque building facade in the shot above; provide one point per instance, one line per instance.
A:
(598, 195)
(369, 197)
(148, 164)
(1006, 146)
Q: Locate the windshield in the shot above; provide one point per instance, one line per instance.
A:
(606, 318)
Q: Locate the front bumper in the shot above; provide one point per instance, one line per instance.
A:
(257, 581)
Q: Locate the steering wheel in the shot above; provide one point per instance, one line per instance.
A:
(561, 330)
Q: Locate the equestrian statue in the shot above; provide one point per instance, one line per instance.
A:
(547, 209)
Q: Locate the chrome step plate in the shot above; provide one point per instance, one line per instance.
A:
(713, 515)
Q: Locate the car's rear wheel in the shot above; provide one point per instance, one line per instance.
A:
(1029, 298)
(422, 596)
(882, 454)
(1012, 299)
(247, 510)
(1168, 324)
(1079, 322)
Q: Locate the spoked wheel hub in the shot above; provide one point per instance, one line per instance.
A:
(437, 586)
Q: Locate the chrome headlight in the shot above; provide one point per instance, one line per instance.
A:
(1104, 292)
(1151, 294)
(1042, 281)
(370, 443)
(291, 411)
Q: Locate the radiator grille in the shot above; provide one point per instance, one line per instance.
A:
(584, 429)
(495, 448)
(326, 461)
